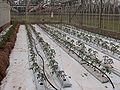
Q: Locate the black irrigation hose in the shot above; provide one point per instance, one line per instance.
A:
(43, 66)
(99, 70)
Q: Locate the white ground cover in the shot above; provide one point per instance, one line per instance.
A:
(19, 77)
(116, 65)
(110, 40)
(93, 34)
(100, 55)
(80, 78)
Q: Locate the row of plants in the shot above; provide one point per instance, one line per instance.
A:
(6, 45)
(52, 63)
(7, 35)
(49, 53)
(81, 50)
(94, 34)
(90, 38)
(4, 32)
(4, 27)
(88, 56)
(37, 70)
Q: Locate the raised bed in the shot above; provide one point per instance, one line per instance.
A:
(102, 76)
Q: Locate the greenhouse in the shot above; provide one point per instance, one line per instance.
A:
(59, 44)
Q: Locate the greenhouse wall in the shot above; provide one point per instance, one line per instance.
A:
(4, 13)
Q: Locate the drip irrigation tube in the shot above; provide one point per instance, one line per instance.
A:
(43, 66)
(91, 64)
